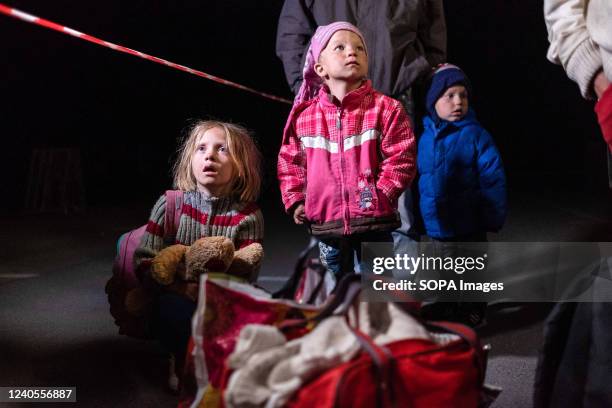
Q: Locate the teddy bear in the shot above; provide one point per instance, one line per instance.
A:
(178, 268)
(206, 255)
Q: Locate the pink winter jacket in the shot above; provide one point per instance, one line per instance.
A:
(347, 161)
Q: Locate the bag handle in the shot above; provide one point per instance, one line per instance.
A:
(338, 303)
(289, 288)
(343, 296)
(174, 203)
(383, 364)
(320, 269)
(466, 334)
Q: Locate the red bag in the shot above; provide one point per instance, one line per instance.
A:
(225, 306)
(603, 108)
(445, 370)
(124, 276)
(415, 372)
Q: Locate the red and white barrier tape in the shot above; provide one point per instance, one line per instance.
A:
(67, 30)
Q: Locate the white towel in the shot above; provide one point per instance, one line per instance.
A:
(252, 339)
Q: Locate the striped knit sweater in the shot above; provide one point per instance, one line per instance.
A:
(201, 216)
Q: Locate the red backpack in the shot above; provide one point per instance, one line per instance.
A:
(124, 277)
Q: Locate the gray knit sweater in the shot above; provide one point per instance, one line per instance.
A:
(201, 216)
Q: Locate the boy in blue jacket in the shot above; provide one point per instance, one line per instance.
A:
(462, 182)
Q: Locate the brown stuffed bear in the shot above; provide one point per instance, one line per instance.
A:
(178, 268)
(243, 263)
(206, 255)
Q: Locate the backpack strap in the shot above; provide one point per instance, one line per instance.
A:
(174, 204)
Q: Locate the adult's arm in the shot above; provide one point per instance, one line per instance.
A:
(295, 28)
(432, 32)
(570, 42)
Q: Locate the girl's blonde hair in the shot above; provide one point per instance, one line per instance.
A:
(244, 155)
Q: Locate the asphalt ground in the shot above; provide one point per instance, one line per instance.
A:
(55, 328)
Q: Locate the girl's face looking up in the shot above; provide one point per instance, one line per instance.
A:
(212, 164)
(343, 59)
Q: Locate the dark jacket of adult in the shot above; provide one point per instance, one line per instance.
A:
(404, 37)
(462, 181)
(575, 364)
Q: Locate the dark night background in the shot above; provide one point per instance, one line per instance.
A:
(125, 114)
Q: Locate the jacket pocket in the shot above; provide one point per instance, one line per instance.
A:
(366, 195)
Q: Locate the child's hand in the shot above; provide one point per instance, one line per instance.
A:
(298, 214)
(600, 83)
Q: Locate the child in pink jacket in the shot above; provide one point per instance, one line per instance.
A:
(348, 151)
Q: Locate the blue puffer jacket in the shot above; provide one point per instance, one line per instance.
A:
(462, 181)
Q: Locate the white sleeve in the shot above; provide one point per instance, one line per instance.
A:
(570, 42)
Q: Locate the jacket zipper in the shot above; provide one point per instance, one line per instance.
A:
(345, 198)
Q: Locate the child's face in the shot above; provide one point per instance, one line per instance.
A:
(212, 164)
(453, 104)
(343, 59)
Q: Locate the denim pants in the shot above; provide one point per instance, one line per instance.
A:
(342, 255)
(406, 235)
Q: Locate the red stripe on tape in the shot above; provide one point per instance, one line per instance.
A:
(67, 30)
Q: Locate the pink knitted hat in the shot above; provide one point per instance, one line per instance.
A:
(311, 81)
